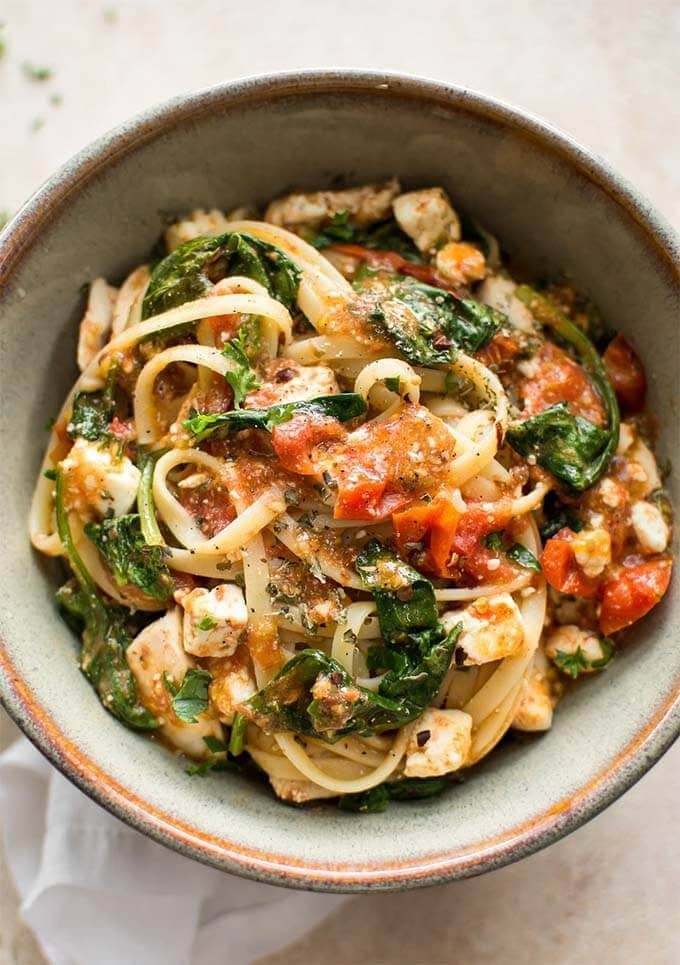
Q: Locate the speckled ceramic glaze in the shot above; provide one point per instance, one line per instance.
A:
(552, 205)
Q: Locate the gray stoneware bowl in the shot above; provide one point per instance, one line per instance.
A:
(553, 205)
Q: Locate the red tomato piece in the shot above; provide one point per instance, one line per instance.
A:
(295, 440)
(561, 569)
(386, 466)
(626, 373)
(632, 592)
(391, 261)
(473, 526)
(434, 523)
(502, 348)
(559, 379)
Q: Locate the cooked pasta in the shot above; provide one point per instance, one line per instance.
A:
(341, 499)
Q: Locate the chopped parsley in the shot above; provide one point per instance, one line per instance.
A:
(242, 378)
(207, 623)
(35, 72)
(191, 699)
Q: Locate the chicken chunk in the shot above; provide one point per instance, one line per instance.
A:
(650, 527)
(214, 620)
(98, 478)
(288, 381)
(427, 217)
(366, 205)
(492, 629)
(96, 323)
(498, 292)
(233, 683)
(535, 709)
(201, 224)
(439, 744)
(155, 656)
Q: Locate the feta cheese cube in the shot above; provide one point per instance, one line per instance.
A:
(439, 744)
(492, 629)
(498, 292)
(233, 684)
(288, 381)
(97, 478)
(592, 550)
(650, 527)
(535, 709)
(214, 620)
(569, 639)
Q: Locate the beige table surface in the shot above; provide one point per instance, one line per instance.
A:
(608, 73)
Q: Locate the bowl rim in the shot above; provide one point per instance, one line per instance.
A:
(652, 739)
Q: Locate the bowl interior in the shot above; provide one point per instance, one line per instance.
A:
(248, 143)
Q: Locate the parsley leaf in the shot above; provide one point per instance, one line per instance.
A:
(207, 623)
(242, 378)
(192, 697)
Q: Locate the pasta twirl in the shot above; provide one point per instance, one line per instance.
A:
(324, 506)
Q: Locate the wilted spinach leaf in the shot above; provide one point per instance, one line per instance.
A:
(404, 598)
(377, 799)
(428, 325)
(572, 448)
(131, 560)
(343, 406)
(191, 270)
(569, 446)
(92, 412)
(105, 633)
(339, 707)
(386, 236)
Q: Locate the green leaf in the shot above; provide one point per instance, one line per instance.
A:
(193, 268)
(242, 378)
(105, 633)
(145, 503)
(572, 448)
(207, 623)
(344, 406)
(523, 557)
(422, 660)
(377, 799)
(574, 664)
(238, 734)
(92, 412)
(131, 560)
(386, 236)
(557, 517)
(428, 325)
(404, 598)
(516, 552)
(191, 699)
(374, 801)
(608, 649)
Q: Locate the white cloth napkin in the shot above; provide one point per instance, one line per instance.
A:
(95, 892)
